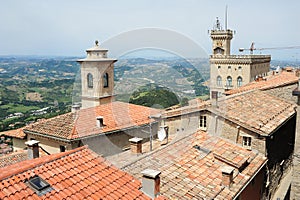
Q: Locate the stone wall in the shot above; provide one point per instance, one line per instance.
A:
(113, 143)
(18, 144)
(51, 146)
(284, 92)
(280, 149)
(183, 124)
(235, 133)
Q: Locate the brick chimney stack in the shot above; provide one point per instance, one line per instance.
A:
(136, 145)
(33, 149)
(151, 182)
(227, 176)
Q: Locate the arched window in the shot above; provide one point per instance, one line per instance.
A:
(105, 80)
(219, 81)
(239, 81)
(229, 81)
(90, 80)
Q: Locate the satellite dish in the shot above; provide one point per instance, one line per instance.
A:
(161, 134)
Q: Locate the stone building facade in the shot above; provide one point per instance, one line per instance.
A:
(232, 71)
(255, 120)
(97, 77)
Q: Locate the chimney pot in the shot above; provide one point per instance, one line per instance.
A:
(151, 182)
(136, 145)
(227, 175)
(75, 108)
(33, 149)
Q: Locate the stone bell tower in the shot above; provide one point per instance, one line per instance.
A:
(97, 77)
(232, 71)
(221, 39)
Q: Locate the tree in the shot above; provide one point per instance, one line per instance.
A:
(152, 95)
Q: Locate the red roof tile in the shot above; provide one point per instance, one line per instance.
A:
(273, 81)
(79, 185)
(116, 116)
(255, 110)
(200, 105)
(13, 158)
(196, 173)
(17, 133)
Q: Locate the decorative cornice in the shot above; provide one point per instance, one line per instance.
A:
(239, 59)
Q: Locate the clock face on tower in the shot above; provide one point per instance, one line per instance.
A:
(219, 43)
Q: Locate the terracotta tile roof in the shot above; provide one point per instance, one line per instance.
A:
(76, 174)
(256, 110)
(17, 133)
(13, 158)
(272, 81)
(196, 173)
(200, 105)
(116, 116)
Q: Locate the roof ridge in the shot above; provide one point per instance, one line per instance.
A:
(23, 166)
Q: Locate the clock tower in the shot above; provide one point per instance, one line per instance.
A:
(232, 71)
(97, 77)
(221, 39)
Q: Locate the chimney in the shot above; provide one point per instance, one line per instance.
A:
(33, 149)
(136, 145)
(227, 176)
(75, 108)
(100, 123)
(214, 98)
(151, 182)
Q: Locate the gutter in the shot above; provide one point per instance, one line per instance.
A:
(85, 137)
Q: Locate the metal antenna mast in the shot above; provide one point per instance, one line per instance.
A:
(226, 18)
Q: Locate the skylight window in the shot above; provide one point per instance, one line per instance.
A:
(39, 185)
(204, 150)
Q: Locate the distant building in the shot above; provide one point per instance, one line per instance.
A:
(18, 138)
(232, 71)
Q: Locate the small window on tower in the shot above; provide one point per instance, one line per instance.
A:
(229, 81)
(90, 80)
(219, 81)
(239, 81)
(105, 80)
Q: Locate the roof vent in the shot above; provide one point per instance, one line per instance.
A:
(204, 150)
(39, 185)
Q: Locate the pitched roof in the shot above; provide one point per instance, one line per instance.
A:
(272, 81)
(75, 174)
(200, 105)
(196, 173)
(17, 133)
(13, 158)
(116, 116)
(255, 110)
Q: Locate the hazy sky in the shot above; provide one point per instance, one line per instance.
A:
(68, 27)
